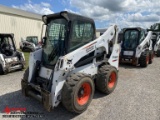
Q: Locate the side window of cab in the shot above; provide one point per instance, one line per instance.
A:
(82, 33)
(142, 36)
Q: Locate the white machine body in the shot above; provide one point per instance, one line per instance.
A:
(65, 64)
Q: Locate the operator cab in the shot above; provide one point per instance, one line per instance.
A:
(7, 46)
(65, 32)
(131, 38)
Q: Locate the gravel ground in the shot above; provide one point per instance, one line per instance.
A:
(136, 97)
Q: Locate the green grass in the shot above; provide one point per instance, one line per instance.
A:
(26, 55)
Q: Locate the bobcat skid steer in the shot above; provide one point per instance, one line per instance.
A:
(10, 58)
(71, 63)
(157, 46)
(155, 28)
(30, 44)
(136, 47)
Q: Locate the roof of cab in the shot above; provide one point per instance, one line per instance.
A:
(67, 15)
(133, 28)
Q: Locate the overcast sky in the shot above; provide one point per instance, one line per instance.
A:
(124, 13)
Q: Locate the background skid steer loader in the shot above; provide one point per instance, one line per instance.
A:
(10, 58)
(155, 28)
(136, 47)
(157, 46)
(30, 44)
(71, 62)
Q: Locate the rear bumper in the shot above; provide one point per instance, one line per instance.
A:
(11, 66)
(133, 60)
(38, 93)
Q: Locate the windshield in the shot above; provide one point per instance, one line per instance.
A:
(130, 39)
(54, 45)
(32, 40)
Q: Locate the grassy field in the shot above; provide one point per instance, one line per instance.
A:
(26, 55)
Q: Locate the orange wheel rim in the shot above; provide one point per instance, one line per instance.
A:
(112, 80)
(84, 94)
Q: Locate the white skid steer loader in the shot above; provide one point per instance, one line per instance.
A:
(155, 28)
(72, 62)
(157, 46)
(136, 47)
(10, 58)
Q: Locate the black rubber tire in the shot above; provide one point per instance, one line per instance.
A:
(71, 89)
(144, 59)
(103, 78)
(158, 53)
(25, 79)
(26, 74)
(151, 56)
(1, 70)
